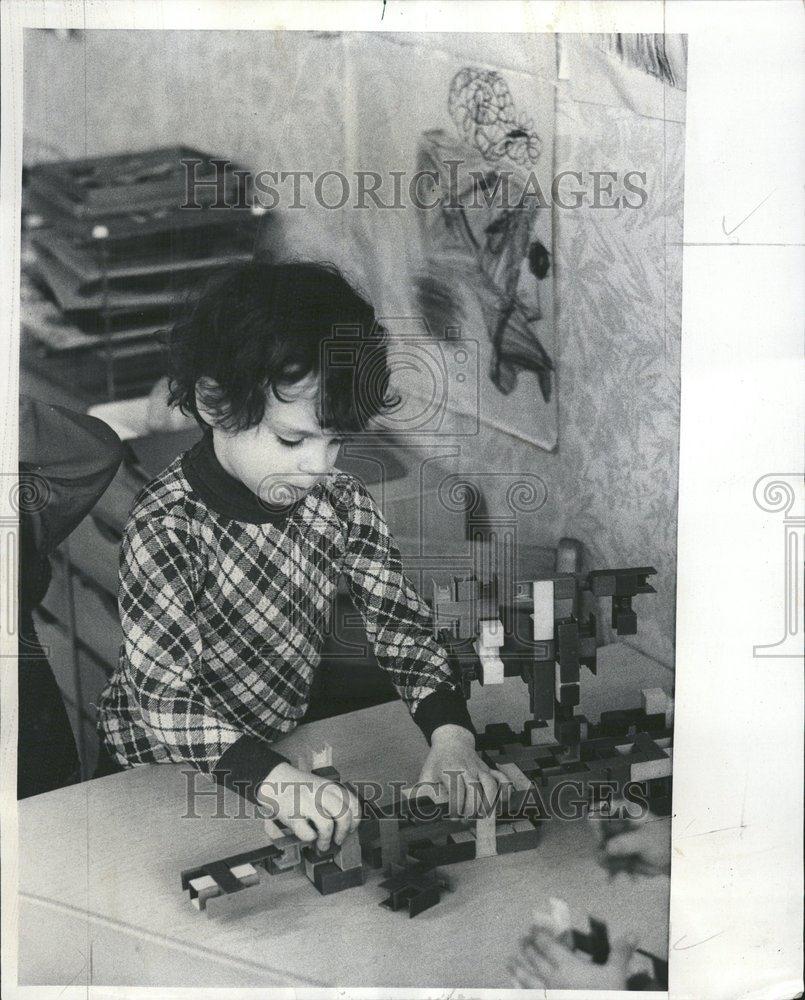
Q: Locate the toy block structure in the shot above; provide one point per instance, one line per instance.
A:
(338, 868)
(415, 888)
(229, 875)
(546, 641)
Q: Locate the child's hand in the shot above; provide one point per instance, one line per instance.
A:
(312, 808)
(643, 844)
(544, 963)
(453, 763)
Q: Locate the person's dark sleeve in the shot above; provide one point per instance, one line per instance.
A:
(66, 462)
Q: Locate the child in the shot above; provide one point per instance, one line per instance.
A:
(232, 556)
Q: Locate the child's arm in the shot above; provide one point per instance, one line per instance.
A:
(398, 624)
(163, 648)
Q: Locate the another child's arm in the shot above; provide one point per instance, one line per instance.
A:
(398, 624)
(545, 963)
(641, 844)
(163, 648)
(76, 455)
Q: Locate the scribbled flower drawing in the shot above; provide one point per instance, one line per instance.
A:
(483, 254)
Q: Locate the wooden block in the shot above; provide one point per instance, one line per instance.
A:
(349, 854)
(391, 849)
(451, 609)
(461, 837)
(246, 874)
(315, 756)
(329, 878)
(538, 732)
(654, 700)
(569, 555)
(522, 826)
(492, 668)
(516, 776)
(651, 769)
(491, 636)
(504, 830)
(486, 846)
(201, 889)
(564, 608)
(556, 921)
(543, 610)
(467, 589)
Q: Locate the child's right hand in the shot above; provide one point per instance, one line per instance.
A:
(311, 807)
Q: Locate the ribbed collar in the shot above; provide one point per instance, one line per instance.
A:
(223, 492)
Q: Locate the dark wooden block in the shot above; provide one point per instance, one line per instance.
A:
(328, 878)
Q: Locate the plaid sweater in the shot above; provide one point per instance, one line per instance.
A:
(224, 604)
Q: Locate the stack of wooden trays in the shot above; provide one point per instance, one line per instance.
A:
(115, 246)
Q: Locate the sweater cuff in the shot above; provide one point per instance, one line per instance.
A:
(445, 706)
(245, 765)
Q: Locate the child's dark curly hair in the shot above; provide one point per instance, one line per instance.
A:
(261, 326)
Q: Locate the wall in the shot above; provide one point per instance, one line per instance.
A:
(619, 296)
(266, 100)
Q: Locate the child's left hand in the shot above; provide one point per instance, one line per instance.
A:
(453, 763)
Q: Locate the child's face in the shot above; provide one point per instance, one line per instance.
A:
(287, 454)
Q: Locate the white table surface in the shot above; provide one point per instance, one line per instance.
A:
(100, 900)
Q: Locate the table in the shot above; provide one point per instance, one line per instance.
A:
(100, 902)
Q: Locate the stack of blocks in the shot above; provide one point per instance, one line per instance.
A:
(330, 871)
(415, 888)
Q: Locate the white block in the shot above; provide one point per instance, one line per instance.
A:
(543, 736)
(486, 846)
(651, 769)
(207, 888)
(492, 669)
(543, 610)
(246, 874)
(556, 921)
(654, 700)
(491, 636)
